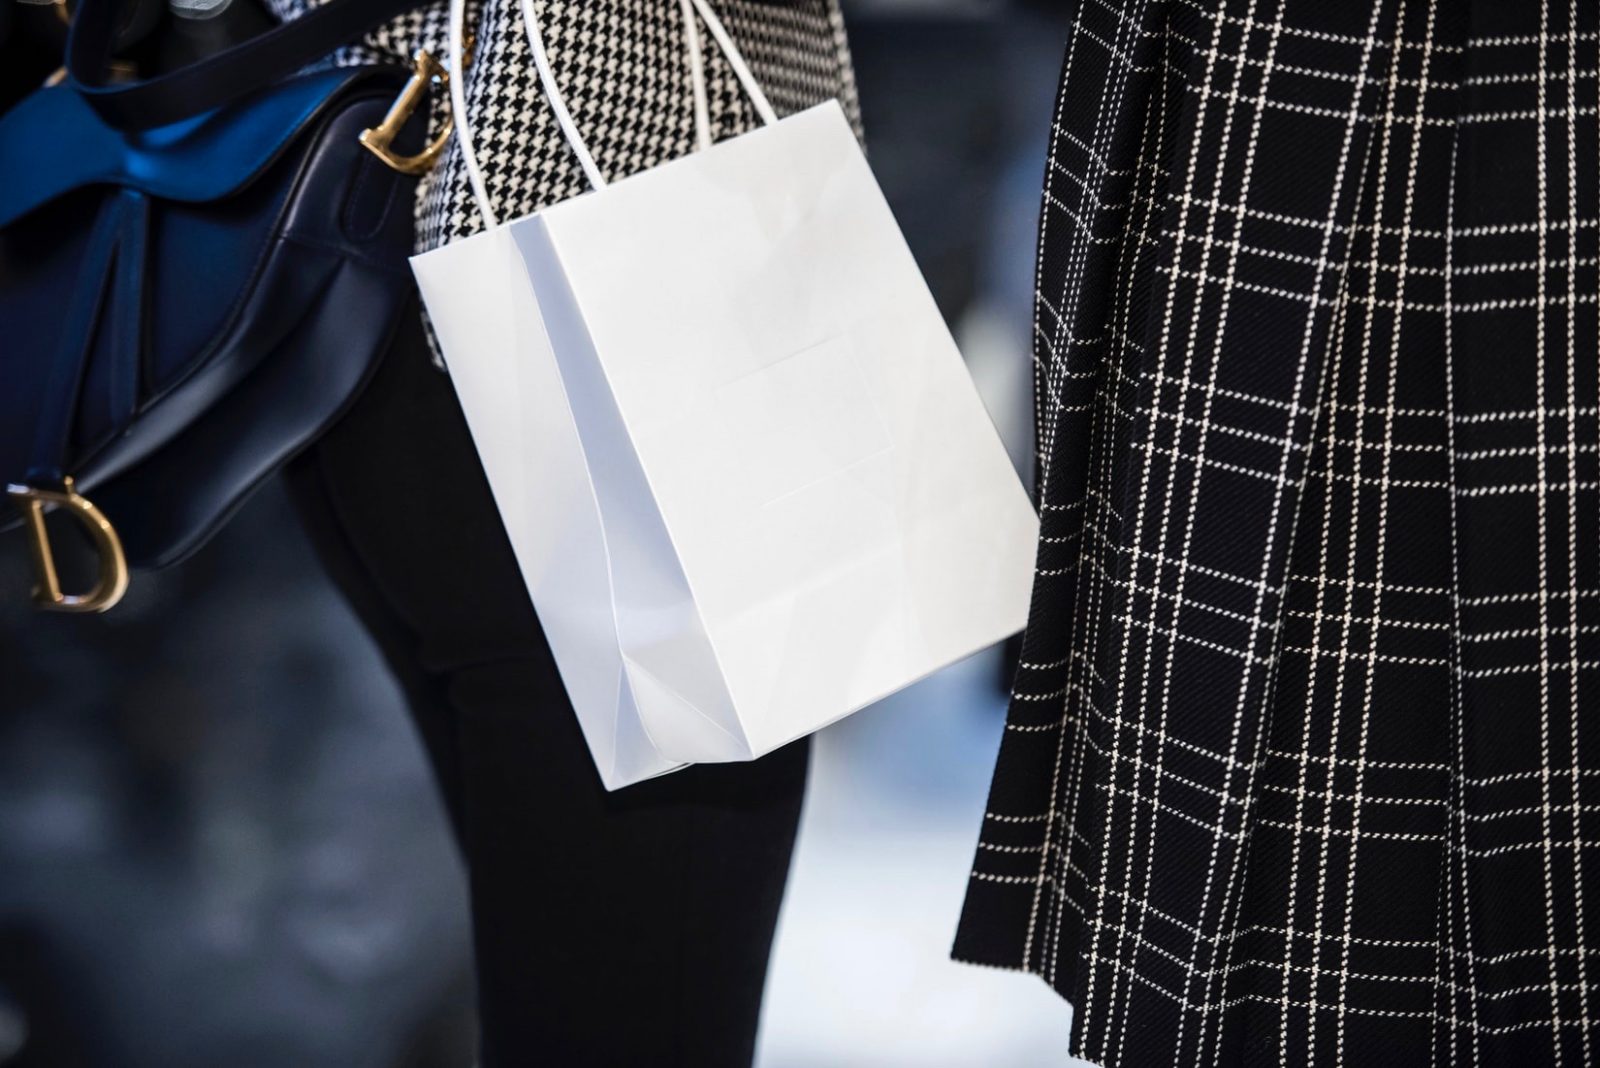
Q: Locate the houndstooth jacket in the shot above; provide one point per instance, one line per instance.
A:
(623, 66)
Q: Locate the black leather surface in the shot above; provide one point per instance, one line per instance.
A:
(203, 306)
(217, 79)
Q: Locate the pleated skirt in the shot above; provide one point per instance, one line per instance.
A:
(1303, 761)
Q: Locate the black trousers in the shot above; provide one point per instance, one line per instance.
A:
(611, 929)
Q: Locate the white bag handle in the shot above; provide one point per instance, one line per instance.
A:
(558, 103)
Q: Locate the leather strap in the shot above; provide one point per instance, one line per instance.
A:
(65, 386)
(218, 78)
(128, 300)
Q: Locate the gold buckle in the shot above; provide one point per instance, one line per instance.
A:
(379, 139)
(113, 581)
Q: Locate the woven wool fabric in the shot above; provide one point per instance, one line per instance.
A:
(1303, 765)
(623, 66)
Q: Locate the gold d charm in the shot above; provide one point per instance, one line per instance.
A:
(113, 581)
(378, 140)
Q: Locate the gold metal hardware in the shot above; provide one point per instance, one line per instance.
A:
(113, 581)
(379, 139)
(60, 74)
(118, 70)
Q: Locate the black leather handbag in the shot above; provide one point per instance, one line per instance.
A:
(197, 275)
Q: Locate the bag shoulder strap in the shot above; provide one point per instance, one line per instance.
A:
(216, 79)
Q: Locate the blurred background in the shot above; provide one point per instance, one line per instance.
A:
(219, 845)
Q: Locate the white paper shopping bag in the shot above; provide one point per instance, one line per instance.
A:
(749, 482)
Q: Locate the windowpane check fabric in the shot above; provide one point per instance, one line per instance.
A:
(1303, 761)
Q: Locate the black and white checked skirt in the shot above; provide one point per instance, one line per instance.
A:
(1303, 763)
